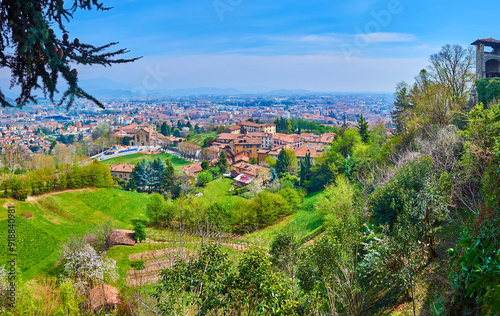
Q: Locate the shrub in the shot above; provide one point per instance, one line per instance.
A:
(137, 264)
(204, 178)
(155, 208)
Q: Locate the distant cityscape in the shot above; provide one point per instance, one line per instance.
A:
(29, 127)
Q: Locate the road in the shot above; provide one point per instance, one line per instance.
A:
(102, 157)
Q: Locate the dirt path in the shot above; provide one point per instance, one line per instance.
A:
(34, 198)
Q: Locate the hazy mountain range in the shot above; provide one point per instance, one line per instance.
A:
(103, 87)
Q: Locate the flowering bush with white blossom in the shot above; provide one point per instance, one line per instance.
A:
(88, 268)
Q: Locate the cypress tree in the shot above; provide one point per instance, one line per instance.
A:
(305, 169)
(163, 129)
(363, 126)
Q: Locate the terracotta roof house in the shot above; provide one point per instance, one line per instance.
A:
(122, 171)
(192, 170)
(122, 237)
(293, 140)
(233, 129)
(326, 139)
(103, 297)
(250, 170)
(303, 151)
(242, 180)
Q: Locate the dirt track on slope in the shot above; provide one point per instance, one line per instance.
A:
(35, 198)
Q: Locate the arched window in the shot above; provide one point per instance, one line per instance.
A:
(492, 68)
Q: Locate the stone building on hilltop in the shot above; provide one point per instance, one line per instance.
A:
(487, 61)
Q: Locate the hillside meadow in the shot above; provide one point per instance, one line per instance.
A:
(44, 223)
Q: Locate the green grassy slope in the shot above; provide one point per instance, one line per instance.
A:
(198, 139)
(133, 159)
(51, 219)
(216, 190)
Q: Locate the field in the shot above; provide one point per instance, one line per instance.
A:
(133, 159)
(198, 139)
(216, 190)
(45, 223)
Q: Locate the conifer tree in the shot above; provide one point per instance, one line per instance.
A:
(363, 129)
(283, 162)
(168, 178)
(38, 56)
(163, 129)
(305, 170)
(156, 174)
(401, 106)
(139, 177)
(223, 164)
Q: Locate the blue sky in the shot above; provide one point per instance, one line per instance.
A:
(345, 46)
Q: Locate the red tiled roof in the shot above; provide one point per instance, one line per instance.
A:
(122, 168)
(192, 168)
(487, 41)
(122, 237)
(103, 296)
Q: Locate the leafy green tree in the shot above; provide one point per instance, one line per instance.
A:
(139, 231)
(363, 127)
(37, 56)
(292, 198)
(268, 207)
(155, 208)
(204, 178)
(488, 90)
(271, 162)
(259, 290)
(328, 166)
(176, 132)
(126, 140)
(414, 187)
(202, 285)
(285, 253)
(338, 202)
(329, 275)
(347, 143)
(205, 165)
(69, 298)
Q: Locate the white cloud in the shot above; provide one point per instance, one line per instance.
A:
(321, 38)
(384, 37)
